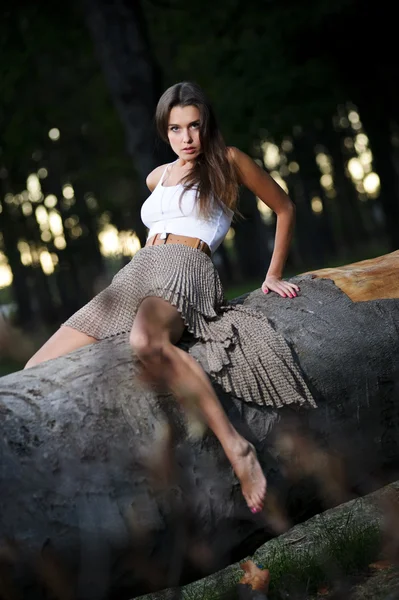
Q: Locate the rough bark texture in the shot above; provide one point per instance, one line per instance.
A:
(370, 279)
(79, 435)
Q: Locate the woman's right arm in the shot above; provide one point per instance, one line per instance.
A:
(154, 177)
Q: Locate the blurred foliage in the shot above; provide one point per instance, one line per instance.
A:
(265, 65)
(244, 56)
(274, 71)
(50, 78)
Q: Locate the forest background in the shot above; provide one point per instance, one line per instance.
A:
(306, 88)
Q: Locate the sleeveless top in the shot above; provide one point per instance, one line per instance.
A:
(166, 210)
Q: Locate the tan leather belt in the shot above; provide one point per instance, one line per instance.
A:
(171, 238)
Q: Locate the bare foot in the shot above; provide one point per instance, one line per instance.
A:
(248, 470)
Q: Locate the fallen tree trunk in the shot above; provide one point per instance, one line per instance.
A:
(324, 539)
(370, 279)
(103, 494)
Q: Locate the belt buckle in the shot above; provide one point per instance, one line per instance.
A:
(163, 236)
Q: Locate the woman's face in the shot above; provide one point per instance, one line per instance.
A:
(184, 132)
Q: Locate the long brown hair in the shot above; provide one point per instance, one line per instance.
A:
(213, 173)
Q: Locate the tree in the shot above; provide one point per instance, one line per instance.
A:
(367, 80)
(275, 66)
(119, 33)
(105, 495)
(50, 80)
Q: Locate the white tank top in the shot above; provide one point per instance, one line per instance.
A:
(164, 212)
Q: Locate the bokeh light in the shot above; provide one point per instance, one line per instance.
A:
(46, 262)
(60, 242)
(5, 271)
(25, 253)
(68, 191)
(266, 212)
(355, 169)
(54, 134)
(55, 223)
(371, 184)
(34, 187)
(50, 201)
(117, 243)
(271, 155)
(317, 205)
(279, 180)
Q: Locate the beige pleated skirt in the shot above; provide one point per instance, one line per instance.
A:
(245, 355)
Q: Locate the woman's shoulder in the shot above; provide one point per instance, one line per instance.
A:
(235, 155)
(232, 153)
(154, 177)
(236, 158)
(245, 166)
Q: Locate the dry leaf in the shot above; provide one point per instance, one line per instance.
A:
(322, 591)
(255, 577)
(380, 565)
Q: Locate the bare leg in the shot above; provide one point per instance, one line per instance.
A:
(157, 327)
(65, 340)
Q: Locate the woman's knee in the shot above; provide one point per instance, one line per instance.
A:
(31, 363)
(62, 342)
(147, 347)
(139, 341)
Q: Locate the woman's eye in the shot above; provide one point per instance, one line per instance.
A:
(195, 125)
(174, 128)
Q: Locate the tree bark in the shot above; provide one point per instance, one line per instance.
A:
(100, 477)
(119, 33)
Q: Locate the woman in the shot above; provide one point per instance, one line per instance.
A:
(172, 284)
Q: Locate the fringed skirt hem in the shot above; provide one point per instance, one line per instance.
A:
(245, 355)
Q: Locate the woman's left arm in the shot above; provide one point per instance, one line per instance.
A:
(268, 191)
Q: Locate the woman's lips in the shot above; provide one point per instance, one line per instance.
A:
(189, 150)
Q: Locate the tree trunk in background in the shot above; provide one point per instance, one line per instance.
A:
(224, 264)
(322, 234)
(20, 285)
(345, 206)
(251, 239)
(67, 271)
(86, 248)
(31, 287)
(378, 129)
(120, 37)
(103, 491)
(369, 86)
(302, 186)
